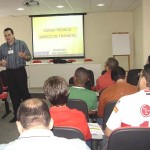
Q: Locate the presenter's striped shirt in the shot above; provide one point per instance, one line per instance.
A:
(10, 54)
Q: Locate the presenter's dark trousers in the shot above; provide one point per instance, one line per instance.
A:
(17, 86)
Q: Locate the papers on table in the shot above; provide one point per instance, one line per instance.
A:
(96, 131)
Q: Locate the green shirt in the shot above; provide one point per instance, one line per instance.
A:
(84, 94)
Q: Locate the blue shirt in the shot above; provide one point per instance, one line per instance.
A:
(10, 54)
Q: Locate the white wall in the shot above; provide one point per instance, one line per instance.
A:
(138, 37)
(98, 32)
(146, 29)
(20, 25)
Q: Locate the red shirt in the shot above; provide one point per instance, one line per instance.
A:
(104, 81)
(64, 116)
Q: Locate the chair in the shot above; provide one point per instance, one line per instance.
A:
(79, 105)
(36, 61)
(71, 60)
(67, 132)
(4, 92)
(88, 59)
(130, 139)
(107, 112)
(133, 77)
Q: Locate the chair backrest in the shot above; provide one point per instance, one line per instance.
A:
(79, 105)
(67, 132)
(133, 77)
(130, 139)
(107, 112)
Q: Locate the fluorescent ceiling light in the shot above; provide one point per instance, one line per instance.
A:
(60, 6)
(20, 8)
(100, 4)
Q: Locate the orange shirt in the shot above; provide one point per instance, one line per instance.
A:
(114, 93)
(104, 81)
(66, 117)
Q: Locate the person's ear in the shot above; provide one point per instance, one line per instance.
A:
(51, 123)
(19, 127)
(74, 78)
(143, 81)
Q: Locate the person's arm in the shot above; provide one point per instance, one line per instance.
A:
(24, 56)
(101, 104)
(115, 119)
(25, 53)
(108, 132)
(3, 63)
(93, 109)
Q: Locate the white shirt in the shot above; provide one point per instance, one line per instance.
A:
(132, 110)
(43, 139)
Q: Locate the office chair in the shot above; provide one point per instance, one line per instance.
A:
(67, 132)
(130, 139)
(79, 105)
(107, 112)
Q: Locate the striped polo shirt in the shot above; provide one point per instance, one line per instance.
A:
(10, 54)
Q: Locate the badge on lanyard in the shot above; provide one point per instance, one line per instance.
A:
(10, 51)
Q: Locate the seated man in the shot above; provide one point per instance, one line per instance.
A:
(34, 124)
(56, 91)
(116, 91)
(132, 110)
(105, 80)
(80, 92)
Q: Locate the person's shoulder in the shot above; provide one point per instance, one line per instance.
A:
(10, 146)
(76, 112)
(73, 144)
(19, 41)
(130, 85)
(4, 44)
(130, 98)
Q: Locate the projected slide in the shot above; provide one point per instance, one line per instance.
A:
(58, 36)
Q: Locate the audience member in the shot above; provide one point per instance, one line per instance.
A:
(34, 124)
(116, 91)
(89, 83)
(105, 80)
(133, 110)
(80, 92)
(56, 91)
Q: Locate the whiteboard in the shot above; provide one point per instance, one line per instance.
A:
(121, 44)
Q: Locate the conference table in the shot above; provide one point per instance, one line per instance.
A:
(39, 72)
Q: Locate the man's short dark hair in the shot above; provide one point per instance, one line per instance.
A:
(81, 75)
(9, 29)
(56, 90)
(112, 63)
(118, 73)
(146, 74)
(33, 112)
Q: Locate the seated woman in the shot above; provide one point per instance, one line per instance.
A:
(56, 91)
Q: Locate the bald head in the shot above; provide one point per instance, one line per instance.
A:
(32, 113)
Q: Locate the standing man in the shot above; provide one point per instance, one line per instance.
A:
(13, 55)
